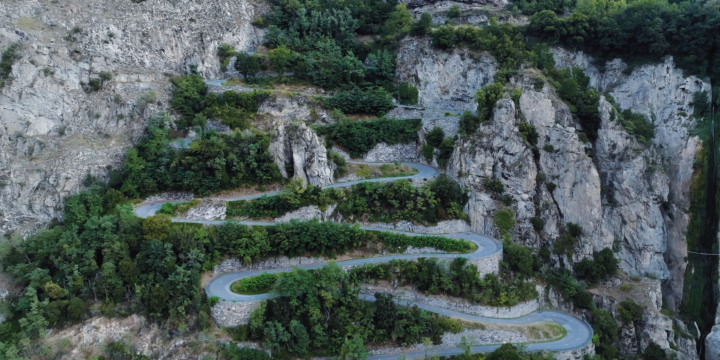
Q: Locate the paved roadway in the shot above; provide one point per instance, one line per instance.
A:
(579, 333)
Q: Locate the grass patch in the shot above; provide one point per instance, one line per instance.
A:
(365, 171)
(255, 285)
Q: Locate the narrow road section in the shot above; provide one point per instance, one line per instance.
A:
(579, 333)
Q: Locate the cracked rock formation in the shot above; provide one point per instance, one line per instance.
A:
(300, 148)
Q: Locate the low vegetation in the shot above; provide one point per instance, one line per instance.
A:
(211, 162)
(437, 200)
(359, 137)
(456, 278)
(288, 324)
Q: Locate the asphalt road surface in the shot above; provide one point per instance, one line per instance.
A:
(579, 333)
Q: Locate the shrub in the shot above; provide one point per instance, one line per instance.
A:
(435, 137)
(521, 260)
(341, 166)
(504, 220)
(262, 282)
(376, 102)
(494, 185)
(454, 11)
(528, 133)
(422, 26)
(359, 137)
(468, 123)
(604, 325)
(537, 223)
(486, 99)
(654, 352)
(407, 94)
(601, 267)
(8, 58)
(630, 311)
(551, 186)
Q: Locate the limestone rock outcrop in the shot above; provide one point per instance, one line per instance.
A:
(300, 148)
(54, 131)
(445, 80)
(664, 94)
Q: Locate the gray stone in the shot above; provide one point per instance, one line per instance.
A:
(297, 145)
(446, 80)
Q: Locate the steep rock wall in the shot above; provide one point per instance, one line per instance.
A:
(53, 132)
(664, 94)
(298, 146)
(445, 80)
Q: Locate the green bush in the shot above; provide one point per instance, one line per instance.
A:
(600, 268)
(630, 311)
(435, 137)
(504, 220)
(407, 94)
(654, 352)
(454, 11)
(456, 278)
(341, 166)
(437, 200)
(521, 260)
(551, 186)
(359, 137)
(211, 163)
(468, 123)
(8, 58)
(528, 133)
(262, 282)
(537, 223)
(375, 102)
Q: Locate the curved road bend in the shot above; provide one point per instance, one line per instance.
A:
(579, 333)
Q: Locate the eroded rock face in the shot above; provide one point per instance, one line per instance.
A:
(496, 152)
(298, 146)
(664, 94)
(53, 132)
(445, 80)
(635, 190)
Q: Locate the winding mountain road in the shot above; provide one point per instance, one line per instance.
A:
(579, 333)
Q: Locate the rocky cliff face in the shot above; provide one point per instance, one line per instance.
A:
(445, 80)
(628, 196)
(664, 94)
(299, 148)
(53, 132)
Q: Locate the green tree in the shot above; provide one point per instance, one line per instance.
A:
(423, 25)
(34, 324)
(246, 64)
(76, 309)
(398, 21)
(353, 349)
(280, 59)
(630, 311)
(435, 137)
(156, 227)
(486, 99)
(53, 290)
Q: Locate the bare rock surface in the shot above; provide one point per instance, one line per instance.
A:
(54, 132)
(298, 146)
(445, 80)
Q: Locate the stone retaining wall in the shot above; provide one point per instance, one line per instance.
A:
(576, 354)
(232, 314)
(443, 227)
